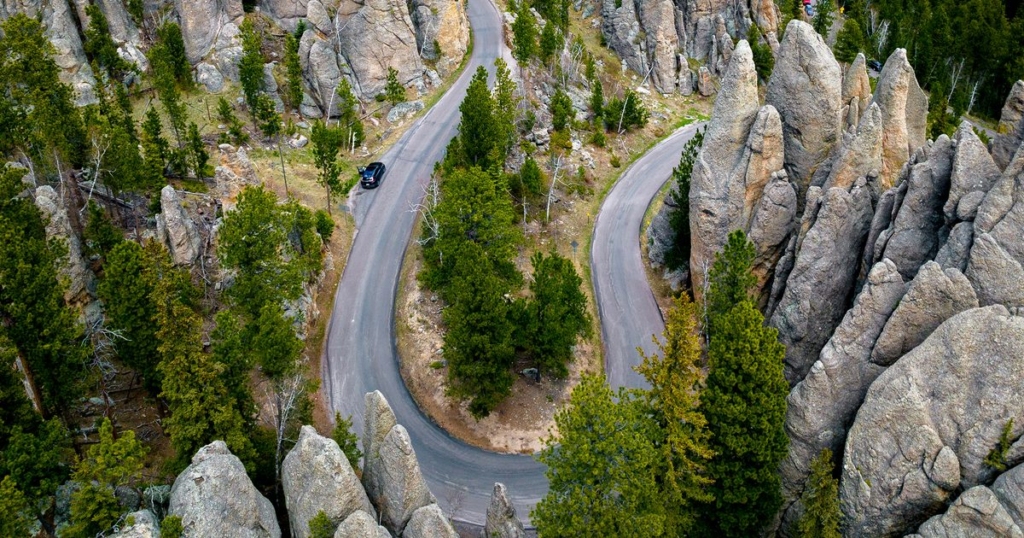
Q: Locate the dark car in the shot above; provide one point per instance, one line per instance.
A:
(371, 176)
(875, 65)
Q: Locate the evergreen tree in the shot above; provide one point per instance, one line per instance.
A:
(556, 315)
(849, 42)
(37, 461)
(473, 212)
(126, 290)
(233, 355)
(293, 70)
(824, 15)
(273, 342)
(676, 381)
(531, 178)
(108, 465)
(325, 142)
(821, 500)
(100, 235)
(597, 100)
(154, 150)
(551, 42)
(394, 91)
(602, 468)
(15, 512)
(626, 113)
(321, 527)
(679, 217)
(236, 132)
(478, 344)
(122, 162)
(136, 9)
(478, 132)
(764, 60)
(562, 112)
(350, 125)
(745, 406)
(250, 66)
(347, 441)
(163, 71)
(169, 50)
(100, 46)
(730, 278)
(196, 148)
(504, 109)
(524, 35)
(39, 324)
(15, 409)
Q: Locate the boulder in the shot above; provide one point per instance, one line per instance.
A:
(444, 24)
(976, 514)
(934, 296)
(717, 182)
(210, 77)
(391, 474)
(177, 230)
(286, 13)
(1009, 487)
(143, 525)
(904, 114)
(401, 111)
(957, 248)
(58, 226)
(620, 27)
(806, 89)
(429, 522)
(202, 22)
(315, 476)
(822, 406)
(705, 82)
(214, 497)
(393, 44)
(914, 237)
(973, 168)
(658, 19)
(501, 516)
(856, 89)
(858, 154)
(361, 525)
(822, 279)
(1011, 127)
(929, 421)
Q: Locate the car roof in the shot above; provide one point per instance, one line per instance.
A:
(371, 166)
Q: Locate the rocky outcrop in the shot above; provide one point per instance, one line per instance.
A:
(214, 497)
(822, 406)
(976, 513)
(859, 154)
(143, 525)
(773, 222)
(973, 169)
(997, 277)
(316, 476)
(929, 421)
(824, 272)
(934, 296)
(658, 18)
(62, 30)
(361, 525)
(742, 147)
(429, 522)
(176, 229)
(856, 91)
(621, 29)
(997, 255)
(58, 226)
(705, 82)
(1011, 127)
(391, 474)
(393, 44)
(204, 21)
(501, 516)
(806, 89)
(442, 32)
(286, 13)
(955, 252)
(904, 114)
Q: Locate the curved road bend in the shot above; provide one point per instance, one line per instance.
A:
(628, 311)
(360, 355)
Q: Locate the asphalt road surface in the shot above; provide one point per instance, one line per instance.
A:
(629, 314)
(360, 352)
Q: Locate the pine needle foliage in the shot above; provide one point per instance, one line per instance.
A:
(821, 500)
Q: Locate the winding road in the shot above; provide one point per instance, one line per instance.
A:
(360, 355)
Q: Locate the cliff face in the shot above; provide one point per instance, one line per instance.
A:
(656, 37)
(356, 39)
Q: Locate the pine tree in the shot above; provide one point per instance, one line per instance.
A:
(679, 218)
(15, 512)
(745, 406)
(100, 235)
(170, 48)
(602, 468)
(100, 46)
(237, 361)
(821, 500)
(824, 14)
(108, 465)
(347, 441)
(348, 115)
(730, 279)
(37, 460)
(394, 91)
(39, 324)
(556, 315)
(274, 343)
(293, 70)
(198, 157)
(478, 132)
(562, 112)
(524, 35)
(551, 42)
(531, 178)
(154, 150)
(504, 108)
(236, 132)
(250, 66)
(325, 142)
(764, 60)
(597, 100)
(126, 290)
(849, 42)
(676, 381)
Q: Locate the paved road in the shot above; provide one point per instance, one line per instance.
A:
(360, 352)
(629, 314)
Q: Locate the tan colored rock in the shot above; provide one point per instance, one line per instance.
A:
(176, 229)
(502, 521)
(1011, 127)
(904, 114)
(361, 525)
(443, 23)
(858, 154)
(856, 89)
